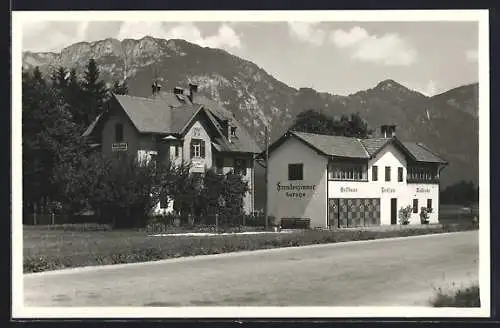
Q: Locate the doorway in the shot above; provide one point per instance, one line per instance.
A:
(394, 210)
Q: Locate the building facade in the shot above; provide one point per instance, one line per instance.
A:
(179, 126)
(346, 182)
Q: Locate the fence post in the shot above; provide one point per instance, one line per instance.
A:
(34, 214)
(217, 223)
(53, 218)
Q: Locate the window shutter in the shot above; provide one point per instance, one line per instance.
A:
(202, 148)
(192, 149)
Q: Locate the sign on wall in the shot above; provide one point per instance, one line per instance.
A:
(119, 146)
(295, 190)
(197, 163)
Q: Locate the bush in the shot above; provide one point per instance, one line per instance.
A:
(424, 215)
(73, 227)
(258, 220)
(404, 215)
(466, 297)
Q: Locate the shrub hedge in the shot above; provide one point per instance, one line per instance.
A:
(465, 297)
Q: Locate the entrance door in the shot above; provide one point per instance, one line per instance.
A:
(333, 212)
(394, 210)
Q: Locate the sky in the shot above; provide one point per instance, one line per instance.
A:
(335, 57)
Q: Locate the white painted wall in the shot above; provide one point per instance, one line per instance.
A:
(422, 192)
(313, 203)
(198, 131)
(385, 190)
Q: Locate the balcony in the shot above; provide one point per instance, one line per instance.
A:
(434, 180)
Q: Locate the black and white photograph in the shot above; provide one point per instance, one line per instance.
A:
(250, 164)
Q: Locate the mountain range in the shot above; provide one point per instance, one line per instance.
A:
(447, 123)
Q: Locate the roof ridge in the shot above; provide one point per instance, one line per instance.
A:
(322, 134)
(420, 144)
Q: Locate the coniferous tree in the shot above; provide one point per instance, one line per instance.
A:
(59, 78)
(94, 93)
(48, 135)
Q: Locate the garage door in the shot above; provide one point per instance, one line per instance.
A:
(354, 212)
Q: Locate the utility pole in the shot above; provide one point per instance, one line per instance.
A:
(266, 207)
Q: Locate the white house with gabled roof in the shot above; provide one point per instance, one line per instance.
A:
(178, 126)
(340, 182)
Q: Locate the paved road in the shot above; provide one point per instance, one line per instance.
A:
(374, 273)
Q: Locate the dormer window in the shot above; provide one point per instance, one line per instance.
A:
(233, 131)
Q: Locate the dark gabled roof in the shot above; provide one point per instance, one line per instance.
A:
(334, 145)
(373, 145)
(168, 113)
(347, 147)
(422, 153)
(243, 141)
(181, 116)
(150, 115)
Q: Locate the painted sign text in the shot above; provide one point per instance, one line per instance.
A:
(294, 190)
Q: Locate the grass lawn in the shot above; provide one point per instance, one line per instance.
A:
(50, 249)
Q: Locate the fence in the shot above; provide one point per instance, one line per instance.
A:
(53, 219)
(206, 223)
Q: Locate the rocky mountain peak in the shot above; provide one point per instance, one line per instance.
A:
(258, 99)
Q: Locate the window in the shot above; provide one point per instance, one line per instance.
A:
(295, 171)
(163, 201)
(233, 131)
(400, 174)
(374, 173)
(387, 173)
(118, 132)
(240, 166)
(353, 172)
(429, 203)
(153, 159)
(146, 157)
(415, 206)
(197, 148)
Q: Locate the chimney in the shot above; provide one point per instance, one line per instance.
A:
(193, 88)
(388, 131)
(226, 129)
(178, 91)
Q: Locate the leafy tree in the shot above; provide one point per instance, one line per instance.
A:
(233, 194)
(355, 126)
(213, 192)
(119, 188)
(463, 193)
(312, 121)
(120, 88)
